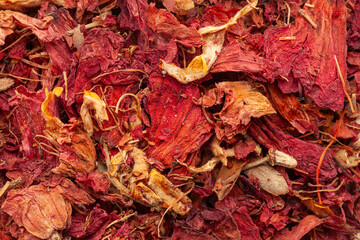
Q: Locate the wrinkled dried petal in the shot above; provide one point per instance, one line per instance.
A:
(242, 101)
(169, 195)
(92, 102)
(39, 209)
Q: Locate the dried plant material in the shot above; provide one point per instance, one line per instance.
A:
(149, 188)
(287, 38)
(200, 65)
(165, 24)
(92, 102)
(6, 83)
(220, 155)
(274, 157)
(249, 107)
(76, 151)
(242, 102)
(309, 5)
(306, 153)
(307, 224)
(233, 58)
(77, 157)
(344, 84)
(11, 19)
(214, 38)
(78, 38)
(20, 5)
(212, 29)
(226, 178)
(173, 115)
(319, 210)
(52, 123)
(315, 71)
(256, 162)
(207, 167)
(307, 17)
(180, 7)
(141, 167)
(269, 179)
(218, 151)
(345, 160)
(39, 210)
(282, 159)
(292, 110)
(168, 193)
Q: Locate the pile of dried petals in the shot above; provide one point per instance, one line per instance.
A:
(180, 119)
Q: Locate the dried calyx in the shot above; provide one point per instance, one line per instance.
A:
(274, 157)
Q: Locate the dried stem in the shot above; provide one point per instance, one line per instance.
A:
(289, 12)
(118, 71)
(323, 155)
(20, 78)
(40, 75)
(318, 191)
(28, 62)
(286, 39)
(16, 41)
(171, 206)
(307, 17)
(255, 163)
(87, 26)
(121, 219)
(123, 97)
(65, 85)
(343, 84)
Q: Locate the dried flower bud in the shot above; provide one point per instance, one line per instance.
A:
(6, 83)
(281, 159)
(269, 179)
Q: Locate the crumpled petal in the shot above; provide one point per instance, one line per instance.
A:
(92, 102)
(214, 37)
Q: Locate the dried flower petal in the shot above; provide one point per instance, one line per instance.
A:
(40, 210)
(92, 102)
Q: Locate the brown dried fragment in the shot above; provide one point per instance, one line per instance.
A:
(6, 83)
(168, 194)
(281, 159)
(78, 38)
(151, 189)
(141, 167)
(269, 179)
(227, 178)
(319, 210)
(345, 160)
